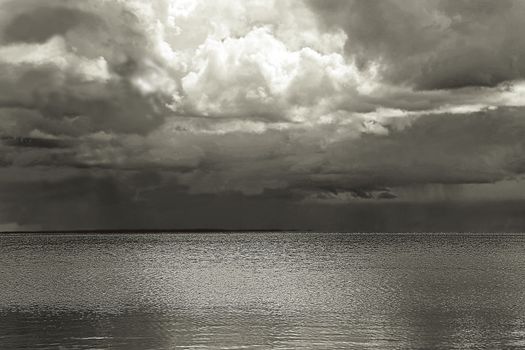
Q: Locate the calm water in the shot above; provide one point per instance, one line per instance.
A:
(262, 291)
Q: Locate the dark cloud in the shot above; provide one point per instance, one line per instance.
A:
(477, 147)
(481, 147)
(42, 23)
(64, 103)
(387, 195)
(436, 44)
(108, 201)
(31, 142)
(82, 68)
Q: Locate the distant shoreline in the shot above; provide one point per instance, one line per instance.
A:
(57, 232)
(219, 231)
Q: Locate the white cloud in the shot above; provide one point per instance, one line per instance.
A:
(258, 77)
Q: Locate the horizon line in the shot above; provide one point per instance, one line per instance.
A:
(221, 230)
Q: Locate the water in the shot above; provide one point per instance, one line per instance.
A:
(262, 291)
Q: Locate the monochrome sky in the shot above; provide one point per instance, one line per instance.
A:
(351, 115)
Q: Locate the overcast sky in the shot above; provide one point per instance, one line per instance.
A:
(367, 115)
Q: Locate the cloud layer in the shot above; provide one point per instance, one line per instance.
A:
(313, 101)
(434, 44)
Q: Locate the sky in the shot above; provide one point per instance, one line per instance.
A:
(329, 115)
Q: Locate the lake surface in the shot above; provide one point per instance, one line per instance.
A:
(262, 291)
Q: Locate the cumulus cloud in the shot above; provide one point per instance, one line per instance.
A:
(258, 77)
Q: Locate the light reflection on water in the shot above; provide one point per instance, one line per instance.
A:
(262, 290)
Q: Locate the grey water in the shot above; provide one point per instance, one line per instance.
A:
(262, 291)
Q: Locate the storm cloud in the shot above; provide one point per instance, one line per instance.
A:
(119, 110)
(432, 44)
